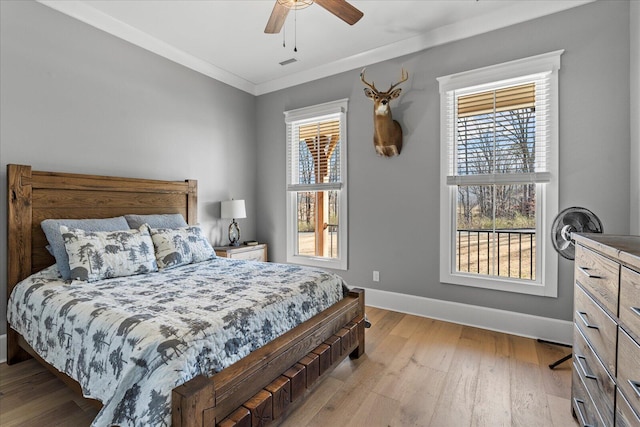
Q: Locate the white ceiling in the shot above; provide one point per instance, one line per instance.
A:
(226, 40)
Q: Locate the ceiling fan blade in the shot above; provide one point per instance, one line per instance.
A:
(342, 10)
(277, 18)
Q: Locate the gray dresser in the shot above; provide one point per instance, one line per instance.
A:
(605, 389)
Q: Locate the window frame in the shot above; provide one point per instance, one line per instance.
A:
(546, 281)
(299, 117)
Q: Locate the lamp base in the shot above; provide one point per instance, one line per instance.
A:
(234, 234)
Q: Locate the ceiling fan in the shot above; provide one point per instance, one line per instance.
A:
(339, 8)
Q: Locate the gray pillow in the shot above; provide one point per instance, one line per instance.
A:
(156, 221)
(51, 228)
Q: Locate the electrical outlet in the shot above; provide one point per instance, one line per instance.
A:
(376, 276)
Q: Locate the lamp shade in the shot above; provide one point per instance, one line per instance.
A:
(233, 209)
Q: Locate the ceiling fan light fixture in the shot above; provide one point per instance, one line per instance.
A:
(295, 4)
(340, 8)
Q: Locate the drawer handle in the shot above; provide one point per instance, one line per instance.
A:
(581, 417)
(582, 363)
(635, 385)
(584, 271)
(636, 310)
(580, 315)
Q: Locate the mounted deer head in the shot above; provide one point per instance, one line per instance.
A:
(387, 133)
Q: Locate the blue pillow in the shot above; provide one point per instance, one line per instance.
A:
(156, 221)
(51, 228)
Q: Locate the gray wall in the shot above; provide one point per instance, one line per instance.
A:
(393, 203)
(76, 99)
(635, 117)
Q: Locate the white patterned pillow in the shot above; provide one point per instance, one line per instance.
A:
(180, 246)
(95, 255)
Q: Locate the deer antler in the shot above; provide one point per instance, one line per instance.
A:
(371, 85)
(403, 78)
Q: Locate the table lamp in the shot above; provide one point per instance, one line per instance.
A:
(233, 209)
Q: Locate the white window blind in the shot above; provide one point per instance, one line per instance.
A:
(319, 129)
(314, 154)
(500, 134)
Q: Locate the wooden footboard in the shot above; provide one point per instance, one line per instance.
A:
(264, 384)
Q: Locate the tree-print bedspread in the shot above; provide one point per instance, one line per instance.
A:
(129, 341)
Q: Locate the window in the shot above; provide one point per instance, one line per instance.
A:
(316, 185)
(499, 176)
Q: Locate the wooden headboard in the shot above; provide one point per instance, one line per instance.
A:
(35, 195)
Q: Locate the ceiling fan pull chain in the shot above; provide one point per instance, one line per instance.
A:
(284, 44)
(295, 30)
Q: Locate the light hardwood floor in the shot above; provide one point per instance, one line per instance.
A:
(415, 372)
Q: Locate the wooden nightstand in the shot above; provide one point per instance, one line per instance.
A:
(250, 253)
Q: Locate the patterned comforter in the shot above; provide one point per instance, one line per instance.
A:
(130, 341)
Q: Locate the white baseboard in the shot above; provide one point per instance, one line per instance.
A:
(3, 348)
(526, 325)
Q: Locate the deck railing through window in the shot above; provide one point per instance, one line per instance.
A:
(333, 240)
(508, 253)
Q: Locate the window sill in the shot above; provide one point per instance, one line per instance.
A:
(336, 264)
(500, 284)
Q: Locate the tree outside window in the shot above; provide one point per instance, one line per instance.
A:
(495, 224)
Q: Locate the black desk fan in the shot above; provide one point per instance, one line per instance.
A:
(571, 220)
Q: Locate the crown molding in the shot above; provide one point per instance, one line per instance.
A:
(519, 12)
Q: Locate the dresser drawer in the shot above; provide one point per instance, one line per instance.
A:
(599, 275)
(596, 325)
(630, 300)
(625, 416)
(583, 407)
(629, 369)
(594, 376)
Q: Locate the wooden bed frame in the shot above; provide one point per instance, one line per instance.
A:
(256, 390)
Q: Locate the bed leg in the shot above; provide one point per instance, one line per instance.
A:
(191, 403)
(15, 353)
(359, 351)
(359, 329)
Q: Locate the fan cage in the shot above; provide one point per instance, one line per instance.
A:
(572, 220)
